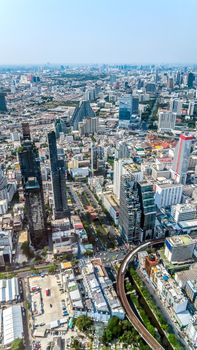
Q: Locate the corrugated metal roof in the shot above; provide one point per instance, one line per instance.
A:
(12, 324)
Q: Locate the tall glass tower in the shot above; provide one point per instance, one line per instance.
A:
(33, 192)
(60, 208)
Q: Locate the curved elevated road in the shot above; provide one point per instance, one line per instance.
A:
(149, 339)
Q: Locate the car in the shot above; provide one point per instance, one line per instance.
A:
(47, 291)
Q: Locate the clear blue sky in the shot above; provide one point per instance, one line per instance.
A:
(98, 31)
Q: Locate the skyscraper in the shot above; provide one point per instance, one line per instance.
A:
(80, 113)
(33, 192)
(181, 158)
(167, 121)
(61, 125)
(148, 209)
(3, 107)
(60, 208)
(26, 131)
(190, 80)
(122, 150)
(130, 211)
(128, 105)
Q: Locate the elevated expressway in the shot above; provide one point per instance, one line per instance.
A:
(137, 324)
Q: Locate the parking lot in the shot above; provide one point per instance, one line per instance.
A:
(50, 304)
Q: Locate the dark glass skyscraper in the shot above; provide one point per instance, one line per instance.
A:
(60, 208)
(33, 192)
(26, 131)
(3, 107)
(130, 211)
(148, 209)
(128, 106)
(190, 80)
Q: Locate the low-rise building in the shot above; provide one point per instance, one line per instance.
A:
(191, 290)
(179, 249)
(12, 324)
(183, 212)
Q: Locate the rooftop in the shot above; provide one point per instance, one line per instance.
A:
(181, 240)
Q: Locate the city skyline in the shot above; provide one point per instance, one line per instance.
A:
(104, 32)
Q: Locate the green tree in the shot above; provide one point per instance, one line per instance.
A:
(84, 323)
(75, 344)
(52, 268)
(27, 250)
(17, 344)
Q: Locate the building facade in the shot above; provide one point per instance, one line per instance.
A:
(130, 211)
(167, 121)
(33, 192)
(181, 158)
(58, 179)
(148, 209)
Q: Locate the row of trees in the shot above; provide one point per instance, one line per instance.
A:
(122, 331)
(155, 310)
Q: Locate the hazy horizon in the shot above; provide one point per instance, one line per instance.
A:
(38, 32)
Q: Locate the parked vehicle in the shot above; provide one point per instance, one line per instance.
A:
(47, 291)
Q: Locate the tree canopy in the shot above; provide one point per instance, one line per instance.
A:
(84, 323)
(17, 344)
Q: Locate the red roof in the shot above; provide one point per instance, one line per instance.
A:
(78, 226)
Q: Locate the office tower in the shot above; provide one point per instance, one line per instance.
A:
(122, 151)
(26, 131)
(90, 95)
(191, 108)
(181, 158)
(3, 186)
(150, 88)
(176, 106)
(125, 108)
(128, 106)
(135, 105)
(167, 194)
(3, 107)
(118, 172)
(33, 193)
(124, 167)
(148, 209)
(167, 121)
(170, 83)
(88, 126)
(112, 78)
(190, 80)
(178, 78)
(61, 125)
(97, 158)
(130, 212)
(58, 179)
(83, 111)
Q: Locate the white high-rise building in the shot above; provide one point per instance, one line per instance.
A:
(3, 186)
(181, 158)
(176, 106)
(167, 121)
(191, 106)
(168, 194)
(125, 167)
